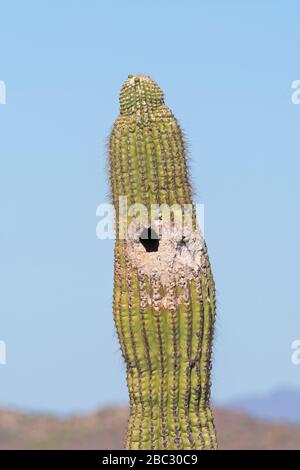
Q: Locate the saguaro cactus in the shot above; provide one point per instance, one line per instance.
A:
(164, 294)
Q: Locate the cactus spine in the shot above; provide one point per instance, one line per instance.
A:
(164, 297)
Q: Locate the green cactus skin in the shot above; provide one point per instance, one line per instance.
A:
(164, 308)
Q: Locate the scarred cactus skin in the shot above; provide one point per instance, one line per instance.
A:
(164, 298)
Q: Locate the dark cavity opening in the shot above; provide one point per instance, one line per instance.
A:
(149, 239)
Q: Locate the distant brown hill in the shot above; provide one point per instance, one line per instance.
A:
(105, 429)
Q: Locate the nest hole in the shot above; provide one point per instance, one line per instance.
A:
(149, 239)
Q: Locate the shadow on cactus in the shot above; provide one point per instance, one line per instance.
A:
(164, 293)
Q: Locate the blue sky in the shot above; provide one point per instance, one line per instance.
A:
(226, 68)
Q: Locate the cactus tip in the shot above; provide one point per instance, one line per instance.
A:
(140, 89)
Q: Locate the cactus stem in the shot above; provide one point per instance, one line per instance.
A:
(164, 294)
